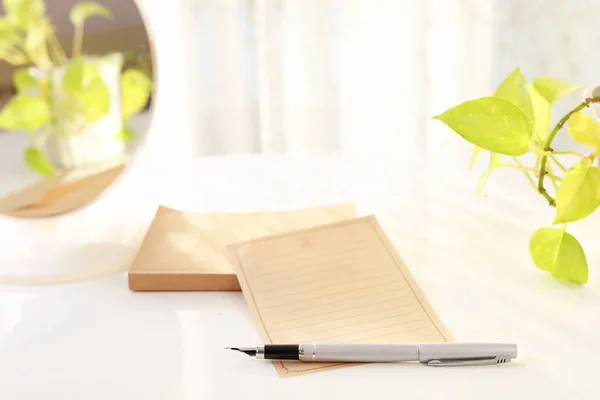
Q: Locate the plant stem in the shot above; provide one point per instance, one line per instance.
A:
(519, 165)
(57, 48)
(548, 148)
(532, 170)
(536, 151)
(591, 157)
(77, 41)
(524, 170)
(572, 153)
(558, 164)
(520, 168)
(53, 125)
(529, 179)
(16, 56)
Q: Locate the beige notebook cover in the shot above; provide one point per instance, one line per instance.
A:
(341, 282)
(186, 251)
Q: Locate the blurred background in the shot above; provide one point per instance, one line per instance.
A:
(363, 76)
(125, 34)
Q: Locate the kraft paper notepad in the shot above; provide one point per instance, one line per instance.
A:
(58, 195)
(340, 282)
(187, 251)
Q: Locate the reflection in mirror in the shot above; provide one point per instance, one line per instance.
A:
(75, 92)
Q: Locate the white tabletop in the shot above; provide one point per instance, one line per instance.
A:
(97, 340)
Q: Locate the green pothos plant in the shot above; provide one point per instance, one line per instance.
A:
(44, 106)
(516, 120)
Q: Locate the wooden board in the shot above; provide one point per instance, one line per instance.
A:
(187, 251)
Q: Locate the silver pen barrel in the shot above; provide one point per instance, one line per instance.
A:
(434, 354)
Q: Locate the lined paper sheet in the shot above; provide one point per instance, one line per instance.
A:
(188, 250)
(341, 282)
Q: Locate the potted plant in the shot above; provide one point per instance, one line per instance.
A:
(515, 121)
(75, 109)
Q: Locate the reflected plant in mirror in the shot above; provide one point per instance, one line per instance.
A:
(74, 106)
(514, 125)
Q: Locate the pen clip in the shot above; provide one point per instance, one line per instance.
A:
(469, 361)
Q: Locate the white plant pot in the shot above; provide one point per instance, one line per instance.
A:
(96, 144)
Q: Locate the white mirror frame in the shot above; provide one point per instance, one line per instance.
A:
(101, 237)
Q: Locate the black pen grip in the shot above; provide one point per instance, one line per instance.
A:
(281, 352)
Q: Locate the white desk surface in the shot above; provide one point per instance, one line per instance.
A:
(97, 340)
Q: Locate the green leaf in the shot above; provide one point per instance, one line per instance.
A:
(558, 252)
(37, 161)
(583, 129)
(36, 46)
(90, 72)
(476, 151)
(84, 10)
(514, 89)
(126, 134)
(6, 27)
(73, 77)
(82, 80)
(495, 163)
(23, 80)
(491, 123)
(13, 56)
(553, 89)
(25, 13)
(542, 112)
(10, 43)
(579, 193)
(96, 99)
(9, 35)
(135, 91)
(45, 87)
(24, 112)
(78, 75)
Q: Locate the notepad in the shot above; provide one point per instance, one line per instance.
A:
(187, 251)
(340, 282)
(58, 195)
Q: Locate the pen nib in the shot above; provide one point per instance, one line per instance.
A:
(247, 350)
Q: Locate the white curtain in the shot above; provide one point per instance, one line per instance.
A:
(361, 76)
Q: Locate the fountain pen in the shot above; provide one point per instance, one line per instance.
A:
(433, 354)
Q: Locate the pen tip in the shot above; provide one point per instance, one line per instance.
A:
(249, 351)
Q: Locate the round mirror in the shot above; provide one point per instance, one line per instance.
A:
(76, 85)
